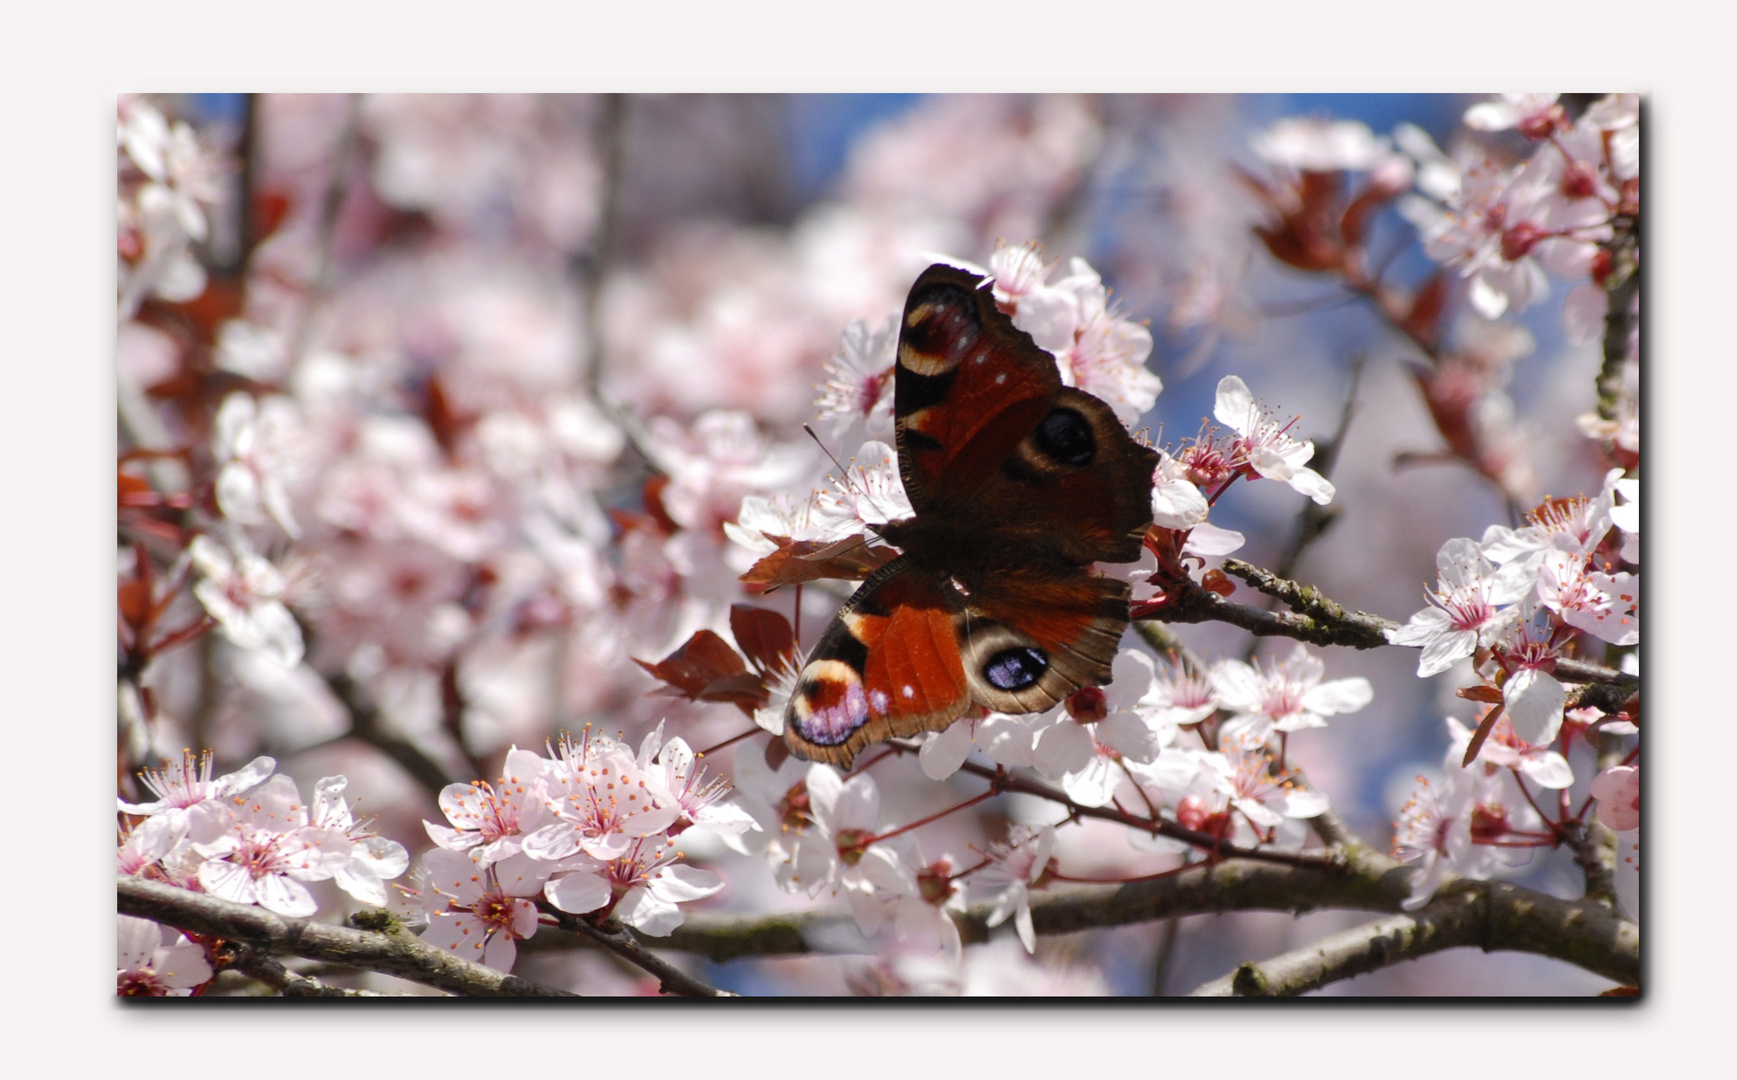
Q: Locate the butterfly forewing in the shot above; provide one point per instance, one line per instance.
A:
(967, 388)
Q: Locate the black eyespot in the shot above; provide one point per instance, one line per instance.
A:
(1064, 436)
(1015, 668)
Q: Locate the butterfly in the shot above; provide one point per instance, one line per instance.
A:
(1017, 484)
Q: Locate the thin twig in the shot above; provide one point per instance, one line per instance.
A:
(325, 236)
(1009, 781)
(367, 726)
(616, 938)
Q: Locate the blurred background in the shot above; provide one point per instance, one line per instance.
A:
(496, 319)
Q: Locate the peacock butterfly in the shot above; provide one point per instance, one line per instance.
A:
(1017, 484)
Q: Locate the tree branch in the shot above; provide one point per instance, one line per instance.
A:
(1491, 915)
(269, 971)
(392, 951)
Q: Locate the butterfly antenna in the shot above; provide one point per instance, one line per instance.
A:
(842, 471)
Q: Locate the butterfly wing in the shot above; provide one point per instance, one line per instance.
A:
(968, 386)
(888, 666)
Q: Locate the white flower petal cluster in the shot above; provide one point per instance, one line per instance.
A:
(249, 837)
(592, 827)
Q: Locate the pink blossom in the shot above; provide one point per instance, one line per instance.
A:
(1245, 774)
(1471, 605)
(244, 593)
(149, 963)
(1017, 865)
(1617, 790)
(602, 800)
(182, 786)
(492, 821)
(1606, 606)
(481, 912)
(374, 859)
(1287, 695)
(268, 849)
(1265, 447)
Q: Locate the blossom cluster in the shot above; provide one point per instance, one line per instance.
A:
(592, 828)
(246, 837)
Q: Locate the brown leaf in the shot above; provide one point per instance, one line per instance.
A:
(1480, 735)
(1489, 695)
(1423, 321)
(705, 668)
(797, 561)
(764, 636)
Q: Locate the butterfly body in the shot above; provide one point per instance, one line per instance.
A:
(1018, 485)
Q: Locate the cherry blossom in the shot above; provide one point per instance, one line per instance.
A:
(249, 440)
(1499, 227)
(870, 493)
(183, 786)
(244, 593)
(1506, 748)
(493, 821)
(1617, 790)
(267, 849)
(374, 859)
(149, 963)
(142, 846)
(859, 380)
(1471, 605)
(650, 883)
(1606, 606)
(1446, 827)
(1531, 695)
(1248, 777)
(684, 784)
(917, 900)
(1581, 523)
(602, 800)
(842, 814)
(1180, 697)
(1017, 865)
(481, 912)
(1286, 696)
(1265, 448)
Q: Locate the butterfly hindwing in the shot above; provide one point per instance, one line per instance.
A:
(888, 666)
(1032, 636)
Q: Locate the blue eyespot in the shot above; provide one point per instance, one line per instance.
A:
(1015, 668)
